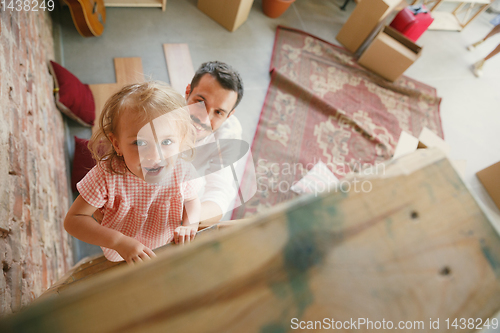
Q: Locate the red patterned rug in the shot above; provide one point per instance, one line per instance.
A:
(321, 105)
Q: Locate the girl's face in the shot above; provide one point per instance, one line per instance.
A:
(149, 150)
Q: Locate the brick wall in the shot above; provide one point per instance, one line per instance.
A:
(34, 248)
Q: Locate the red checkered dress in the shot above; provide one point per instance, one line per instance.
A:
(146, 212)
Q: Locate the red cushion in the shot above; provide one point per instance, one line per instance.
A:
(73, 98)
(82, 162)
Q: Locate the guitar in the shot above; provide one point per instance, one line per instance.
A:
(88, 16)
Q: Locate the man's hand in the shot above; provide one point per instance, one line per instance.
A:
(211, 213)
(132, 250)
(185, 234)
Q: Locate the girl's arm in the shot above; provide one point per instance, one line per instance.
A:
(190, 221)
(80, 224)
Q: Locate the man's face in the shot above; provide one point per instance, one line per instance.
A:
(210, 105)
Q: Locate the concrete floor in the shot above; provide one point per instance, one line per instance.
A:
(470, 107)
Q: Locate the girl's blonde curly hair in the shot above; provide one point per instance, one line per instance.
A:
(146, 101)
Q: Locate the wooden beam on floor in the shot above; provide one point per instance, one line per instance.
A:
(127, 71)
(412, 246)
(101, 94)
(179, 66)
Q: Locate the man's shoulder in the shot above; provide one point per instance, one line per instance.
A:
(230, 129)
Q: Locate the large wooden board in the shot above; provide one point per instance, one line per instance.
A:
(91, 267)
(179, 65)
(415, 247)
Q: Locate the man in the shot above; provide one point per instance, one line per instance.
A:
(214, 93)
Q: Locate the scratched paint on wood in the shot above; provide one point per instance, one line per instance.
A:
(335, 256)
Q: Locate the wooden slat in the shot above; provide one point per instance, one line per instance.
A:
(223, 224)
(90, 267)
(415, 246)
(179, 65)
(101, 94)
(464, 21)
(137, 3)
(128, 70)
(86, 268)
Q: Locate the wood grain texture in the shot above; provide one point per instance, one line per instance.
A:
(417, 246)
(101, 93)
(179, 65)
(137, 3)
(91, 267)
(127, 71)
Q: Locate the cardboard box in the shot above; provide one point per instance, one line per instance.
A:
(228, 13)
(364, 19)
(390, 54)
(490, 178)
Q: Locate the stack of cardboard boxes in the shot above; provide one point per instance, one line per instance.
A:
(389, 53)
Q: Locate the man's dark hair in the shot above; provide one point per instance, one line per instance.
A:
(227, 77)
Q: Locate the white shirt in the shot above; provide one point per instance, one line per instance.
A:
(218, 186)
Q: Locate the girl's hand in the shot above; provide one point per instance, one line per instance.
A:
(132, 250)
(184, 234)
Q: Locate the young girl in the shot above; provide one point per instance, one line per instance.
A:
(142, 181)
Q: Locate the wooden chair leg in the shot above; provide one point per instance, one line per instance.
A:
(482, 9)
(343, 7)
(428, 3)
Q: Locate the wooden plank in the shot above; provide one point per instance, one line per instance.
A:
(101, 94)
(128, 70)
(222, 224)
(136, 3)
(86, 268)
(90, 267)
(414, 247)
(179, 65)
